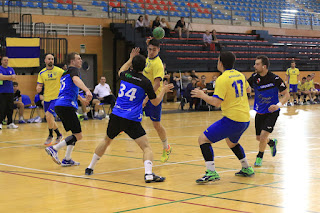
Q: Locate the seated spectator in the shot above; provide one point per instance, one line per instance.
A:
(147, 25)
(186, 79)
(304, 90)
(202, 83)
(165, 25)
(104, 93)
(192, 101)
(140, 27)
(17, 101)
(311, 88)
(214, 78)
(207, 39)
(156, 22)
(181, 28)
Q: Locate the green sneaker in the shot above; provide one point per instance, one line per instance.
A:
(258, 162)
(165, 154)
(273, 149)
(209, 176)
(4, 122)
(245, 172)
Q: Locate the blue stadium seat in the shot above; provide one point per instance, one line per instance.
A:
(163, 13)
(29, 4)
(140, 12)
(129, 5)
(136, 6)
(69, 7)
(180, 9)
(51, 6)
(155, 13)
(95, 3)
(80, 8)
(51, 1)
(103, 4)
(105, 9)
(196, 15)
(61, 7)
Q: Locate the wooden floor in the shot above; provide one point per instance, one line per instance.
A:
(31, 182)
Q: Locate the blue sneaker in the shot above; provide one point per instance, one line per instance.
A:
(69, 163)
(54, 154)
(273, 149)
(22, 122)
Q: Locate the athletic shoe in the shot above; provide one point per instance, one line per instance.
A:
(245, 172)
(0, 126)
(288, 104)
(148, 178)
(4, 123)
(88, 171)
(58, 140)
(85, 117)
(273, 149)
(22, 122)
(295, 102)
(54, 154)
(98, 117)
(209, 176)
(165, 154)
(38, 119)
(69, 163)
(12, 126)
(258, 162)
(48, 141)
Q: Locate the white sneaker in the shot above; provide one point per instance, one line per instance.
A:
(12, 126)
(0, 126)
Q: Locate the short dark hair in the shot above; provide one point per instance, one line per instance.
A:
(264, 60)
(15, 83)
(138, 63)
(48, 54)
(154, 42)
(71, 56)
(4, 57)
(227, 59)
(293, 62)
(304, 78)
(309, 76)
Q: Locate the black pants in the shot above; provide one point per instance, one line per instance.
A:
(6, 106)
(110, 99)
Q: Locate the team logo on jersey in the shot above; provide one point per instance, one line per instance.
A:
(128, 75)
(283, 85)
(258, 80)
(10, 72)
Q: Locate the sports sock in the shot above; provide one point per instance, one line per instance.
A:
(21, 118)
(210, 165)
(165, 144)
(50, 132)
(260, 155)
(96, 113)
(271, 143)
(94, 161)
(60, 145)
(239, 152)
(208, 156)
(57, 132)
(68, 152)
(148, 167)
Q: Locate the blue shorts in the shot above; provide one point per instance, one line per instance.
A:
(293, 87)
(49, 106)
(154, 112)
(226, 128)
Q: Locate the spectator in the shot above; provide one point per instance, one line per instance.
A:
(65, 67)
(214, 78)
(7, 75)
(194, 75)
(156, 22)
(181, 28)
(186, 79)
(192, 101)
(215, 41)
(207, 39)
(104, 93)
(140, 27)
(165, 25)
(202, 83)
(17, 101)
(147, 25)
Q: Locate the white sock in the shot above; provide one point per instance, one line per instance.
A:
(85, 114)
(165, 144)
(148, 167)
(210, 165)
(21, 118)
(96, 113)
(60, 145)
(94, 161)
(68, 152)
(244, 163)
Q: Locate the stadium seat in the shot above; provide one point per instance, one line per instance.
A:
(105, 9)
(95, 3)
(29, 4)
(80, 8)
(51, 6)
(61, 7)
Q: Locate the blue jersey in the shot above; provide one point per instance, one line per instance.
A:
(266, 91)
(6, 86)
(68, 94)
(132, 92)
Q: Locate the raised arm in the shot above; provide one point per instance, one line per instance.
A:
(135, 51)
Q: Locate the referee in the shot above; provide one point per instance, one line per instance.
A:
(7, 75)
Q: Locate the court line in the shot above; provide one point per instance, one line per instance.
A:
(121, 192)
(7, 147)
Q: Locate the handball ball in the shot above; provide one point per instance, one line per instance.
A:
(158, 33)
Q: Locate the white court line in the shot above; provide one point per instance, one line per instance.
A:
(34, 139)
(17, 146)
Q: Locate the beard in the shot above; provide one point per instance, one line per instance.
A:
(50, 64)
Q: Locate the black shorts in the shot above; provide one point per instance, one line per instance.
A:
(266, 122)
(69, 118)
(117, 124)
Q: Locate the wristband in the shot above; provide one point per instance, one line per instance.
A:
(279, 105)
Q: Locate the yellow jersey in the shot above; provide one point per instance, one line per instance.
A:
(309, 85)
(231, 88)
(303, 87)
(51, 81)
(293, 75)
(154, 69)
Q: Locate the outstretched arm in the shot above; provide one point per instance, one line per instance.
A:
(135, 51)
